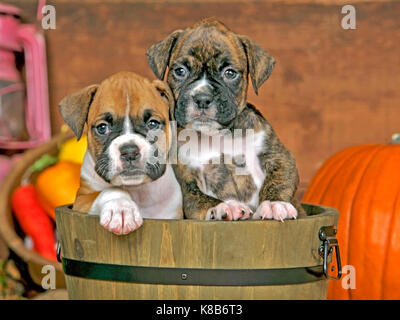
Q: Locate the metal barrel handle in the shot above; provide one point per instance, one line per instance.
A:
(327, 235)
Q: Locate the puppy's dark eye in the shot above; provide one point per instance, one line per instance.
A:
(102, 129)
(153, 124)
(230, 74)
(180, 72)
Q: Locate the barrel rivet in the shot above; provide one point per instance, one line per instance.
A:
(183, 276)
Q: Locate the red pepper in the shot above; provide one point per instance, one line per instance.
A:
(34, 221)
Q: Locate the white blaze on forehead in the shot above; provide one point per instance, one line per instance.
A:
(127, 120)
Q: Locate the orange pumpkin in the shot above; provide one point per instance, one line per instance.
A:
(58, 185)
(363, 183)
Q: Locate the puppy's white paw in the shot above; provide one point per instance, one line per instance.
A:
(229, 210)
(120, 216)
(278, 210)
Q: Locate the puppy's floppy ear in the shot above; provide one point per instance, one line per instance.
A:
(166, 93)
(158, 54)
(259, 61)
(74, 108)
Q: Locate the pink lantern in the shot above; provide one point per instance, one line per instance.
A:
(24, 106)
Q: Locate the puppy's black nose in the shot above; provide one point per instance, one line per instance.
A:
(203, 100)
(129, 152)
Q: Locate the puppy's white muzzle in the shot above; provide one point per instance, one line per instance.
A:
(123, 173)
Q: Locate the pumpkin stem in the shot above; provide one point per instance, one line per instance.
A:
(395, 138)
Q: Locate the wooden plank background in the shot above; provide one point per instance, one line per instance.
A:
(331, 88)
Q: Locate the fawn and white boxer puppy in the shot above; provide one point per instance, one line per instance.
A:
(208, 70)
(124, 175)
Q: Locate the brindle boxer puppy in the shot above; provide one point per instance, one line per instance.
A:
(121, 179)
(208, 73)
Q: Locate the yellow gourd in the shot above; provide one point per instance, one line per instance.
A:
(73, 150)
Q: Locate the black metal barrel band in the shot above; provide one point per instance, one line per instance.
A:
(191, 276)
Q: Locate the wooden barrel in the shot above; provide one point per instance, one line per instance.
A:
(189, 259)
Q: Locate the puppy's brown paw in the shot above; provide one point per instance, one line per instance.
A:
(277, 210)
(229, 210)
(120, 216)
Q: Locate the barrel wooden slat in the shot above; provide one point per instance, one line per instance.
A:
(195, 244)
(97, 289)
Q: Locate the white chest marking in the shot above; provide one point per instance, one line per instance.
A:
(159, 199)
(248, 146)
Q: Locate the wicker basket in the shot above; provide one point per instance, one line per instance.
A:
(29, 263)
